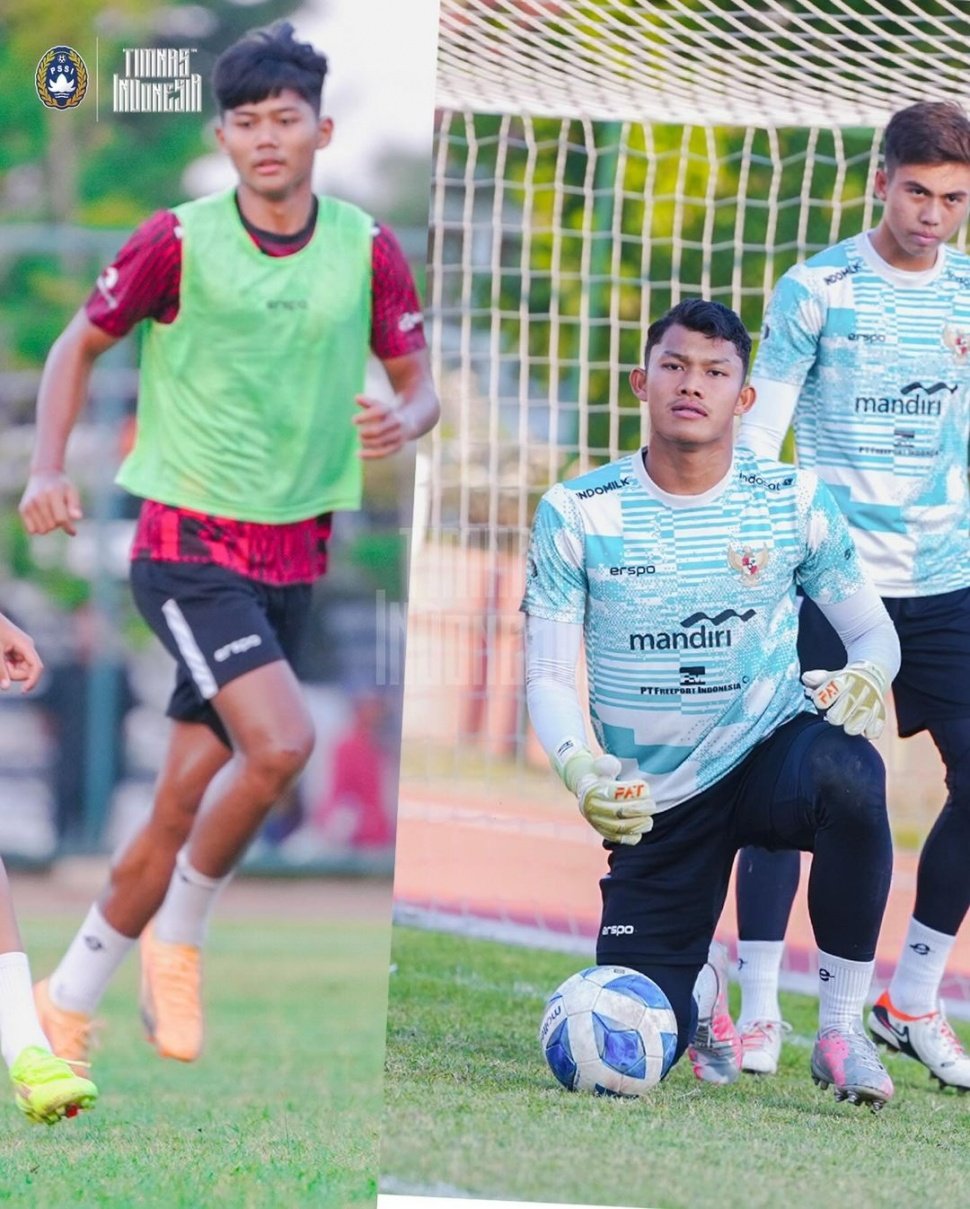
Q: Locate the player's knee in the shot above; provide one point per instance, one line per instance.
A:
(280, 758)
(850, 780)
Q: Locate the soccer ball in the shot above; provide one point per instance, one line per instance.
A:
(609, 1030)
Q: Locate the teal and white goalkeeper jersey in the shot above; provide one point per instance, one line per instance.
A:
(688, 607)
(881, 360)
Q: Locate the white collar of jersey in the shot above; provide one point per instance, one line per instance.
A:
(898, 277)
(678, 501)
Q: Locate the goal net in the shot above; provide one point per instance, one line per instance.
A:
(594, 164)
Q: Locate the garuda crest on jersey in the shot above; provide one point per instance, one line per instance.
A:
(62, 78)
(748, 562)
(957, 340)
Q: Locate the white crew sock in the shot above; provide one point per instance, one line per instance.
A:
(758, 964)
(842, 989)
(183, 917)
(89, 964)
(915, 986)
(19, 1026)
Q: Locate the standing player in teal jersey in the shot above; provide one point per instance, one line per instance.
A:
(866, 347)
(45, 1086)
(261, 304)
(678, 567)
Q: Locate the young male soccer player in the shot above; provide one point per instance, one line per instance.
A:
(261, 303)
(46, 1087)
(678, 566)
(867, 345)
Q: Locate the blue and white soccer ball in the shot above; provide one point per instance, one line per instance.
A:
(609, 1030)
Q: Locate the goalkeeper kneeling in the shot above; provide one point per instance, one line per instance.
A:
(675, 568)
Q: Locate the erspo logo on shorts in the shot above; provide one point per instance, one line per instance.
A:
(236, 647)
(617, 930)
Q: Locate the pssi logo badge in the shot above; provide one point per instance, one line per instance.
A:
(61, 78)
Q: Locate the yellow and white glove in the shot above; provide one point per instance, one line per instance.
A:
(621, 811)
(853, 698)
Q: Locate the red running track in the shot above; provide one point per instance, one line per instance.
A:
(494, 857)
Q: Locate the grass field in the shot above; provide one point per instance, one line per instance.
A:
(471, 1109)
(283, 1108)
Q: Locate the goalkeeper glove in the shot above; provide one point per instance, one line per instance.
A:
(853, 698)
(621, 811)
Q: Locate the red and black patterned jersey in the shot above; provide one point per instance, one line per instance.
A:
(273, 554)
(143, 282)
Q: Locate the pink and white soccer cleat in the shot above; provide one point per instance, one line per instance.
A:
(845, 1057)
(715, 1052)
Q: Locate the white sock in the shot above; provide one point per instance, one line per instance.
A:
(88, 965)
(842, 989)
(19, 1026)
(183, 917)
(915, 986)
(758, 964)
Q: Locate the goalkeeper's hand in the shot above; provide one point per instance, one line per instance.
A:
(621, 811)
(853, 698)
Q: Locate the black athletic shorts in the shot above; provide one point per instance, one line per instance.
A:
(663, 896)
(933, 684)
(217, 625)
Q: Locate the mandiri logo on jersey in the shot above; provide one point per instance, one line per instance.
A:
(61, 78)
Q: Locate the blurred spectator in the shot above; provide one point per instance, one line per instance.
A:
(354, 811)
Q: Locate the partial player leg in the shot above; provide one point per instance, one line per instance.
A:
(765, 890)
(271, 732)
(847, 893)
(45, 1086)
(660, 904)
(819, 789)
(909, 1016)
(137, 885)
(272, 735)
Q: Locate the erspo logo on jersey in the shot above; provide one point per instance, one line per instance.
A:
(61, 78)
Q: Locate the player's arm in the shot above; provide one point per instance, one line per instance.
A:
(386, 428)
(397, 340)
(18, 657)
(555, 605)
(142, 282)
(788, 349)
(620, 810)
(764, 427)
(854, 697)
(50, 500)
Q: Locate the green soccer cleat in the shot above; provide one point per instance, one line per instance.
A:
(47, 1088)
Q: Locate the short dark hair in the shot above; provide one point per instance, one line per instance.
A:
(711, 319)
(264, 62)
(929, 132)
